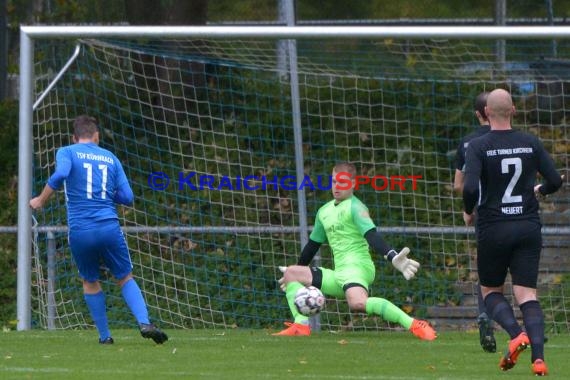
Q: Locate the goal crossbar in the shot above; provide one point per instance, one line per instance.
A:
(297, 32)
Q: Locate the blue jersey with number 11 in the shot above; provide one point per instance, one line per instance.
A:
(92, 177)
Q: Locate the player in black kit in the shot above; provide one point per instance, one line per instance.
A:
(483, 128)
(486, 334)
(500, 176)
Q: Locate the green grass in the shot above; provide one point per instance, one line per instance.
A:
(255, 354)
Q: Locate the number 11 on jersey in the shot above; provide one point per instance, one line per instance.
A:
(89, 185)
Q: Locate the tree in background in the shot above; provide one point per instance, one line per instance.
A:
(171, 12)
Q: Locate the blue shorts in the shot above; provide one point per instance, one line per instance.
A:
(102, 245)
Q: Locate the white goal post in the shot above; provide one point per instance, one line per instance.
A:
(31, 34)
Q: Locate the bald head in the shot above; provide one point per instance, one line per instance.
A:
(499, 108)
(500, 103)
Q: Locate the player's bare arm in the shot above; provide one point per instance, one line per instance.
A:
(458, 181)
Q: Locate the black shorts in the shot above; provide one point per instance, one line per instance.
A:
(510, 246)
(317, 277)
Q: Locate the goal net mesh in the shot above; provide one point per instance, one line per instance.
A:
(205, 132)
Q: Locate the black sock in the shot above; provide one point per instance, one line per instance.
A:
(502, 313)
(480, 301)
(533, 319)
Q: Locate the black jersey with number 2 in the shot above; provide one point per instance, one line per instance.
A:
(500, 175)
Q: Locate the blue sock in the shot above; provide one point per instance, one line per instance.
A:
(135, 301)
(96, 304)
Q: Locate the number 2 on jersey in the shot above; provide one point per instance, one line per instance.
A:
(89, 188)
(508, 196)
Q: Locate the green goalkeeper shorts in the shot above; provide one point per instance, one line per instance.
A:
(335, 282)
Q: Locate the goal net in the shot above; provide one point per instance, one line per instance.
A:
(205, 131)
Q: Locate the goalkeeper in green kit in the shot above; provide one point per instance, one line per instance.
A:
(345, 224)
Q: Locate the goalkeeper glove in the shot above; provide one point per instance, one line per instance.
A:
(400, 261)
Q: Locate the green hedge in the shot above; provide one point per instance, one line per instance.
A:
(8, 209)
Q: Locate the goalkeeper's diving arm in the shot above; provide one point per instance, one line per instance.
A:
(399, 260)
(309, 251)
(378, 244)
(372, 236)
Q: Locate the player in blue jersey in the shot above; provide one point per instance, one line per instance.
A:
(94, 181)
(486, 331)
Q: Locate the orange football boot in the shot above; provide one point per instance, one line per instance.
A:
(295, 329)
(423, 330)
(516, 346)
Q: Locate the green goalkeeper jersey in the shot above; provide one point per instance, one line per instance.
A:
(343, 226)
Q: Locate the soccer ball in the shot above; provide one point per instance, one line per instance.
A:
(309, 300)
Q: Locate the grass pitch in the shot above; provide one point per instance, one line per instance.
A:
(256, 354)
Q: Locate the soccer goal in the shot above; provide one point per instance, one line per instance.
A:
(229, 154)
